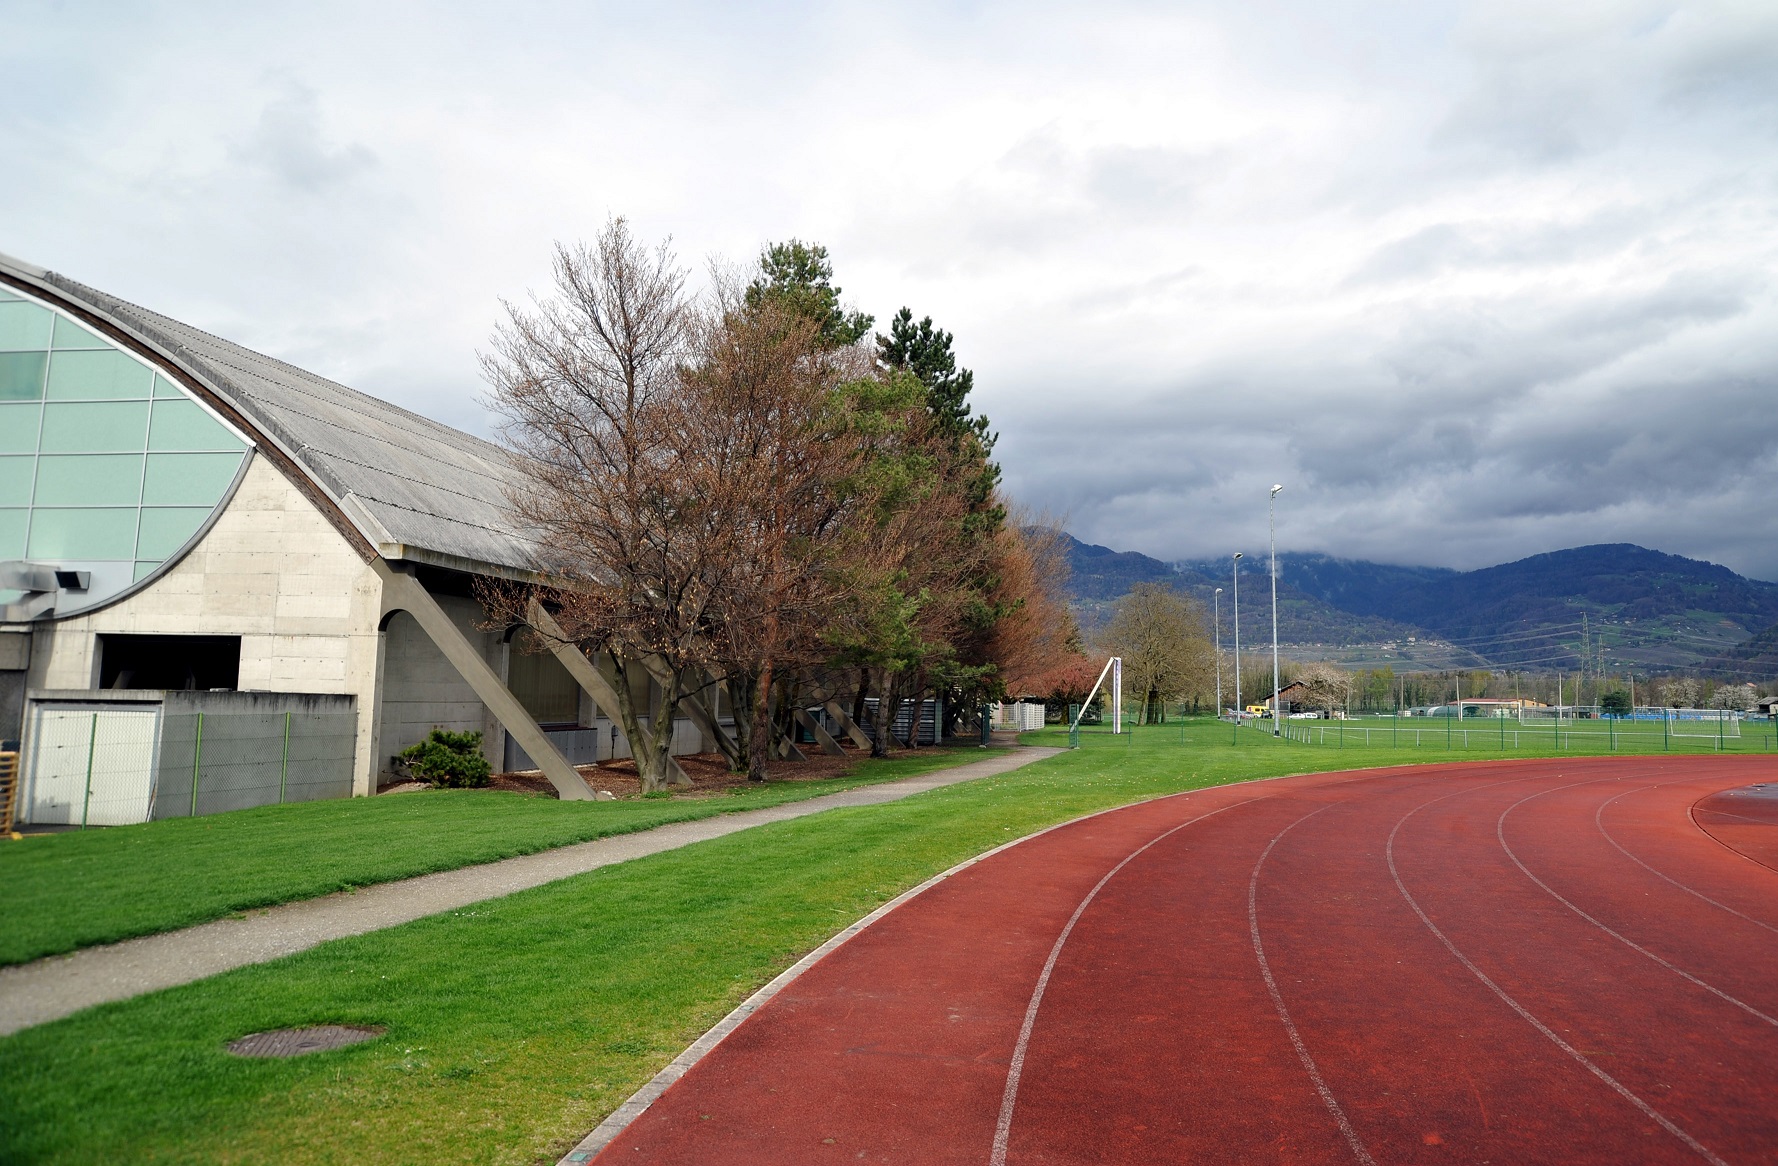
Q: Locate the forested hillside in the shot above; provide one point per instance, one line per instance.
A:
(1599, 607)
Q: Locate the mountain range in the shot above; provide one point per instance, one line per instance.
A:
(1611, 606)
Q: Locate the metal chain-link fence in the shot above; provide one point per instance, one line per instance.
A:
(119, 763)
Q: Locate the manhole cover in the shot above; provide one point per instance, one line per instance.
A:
(294, 1042)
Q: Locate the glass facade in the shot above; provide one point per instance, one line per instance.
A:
(106, 465)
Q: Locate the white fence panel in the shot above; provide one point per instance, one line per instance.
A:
(92, 767)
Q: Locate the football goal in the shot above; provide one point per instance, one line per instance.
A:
(1704, 722)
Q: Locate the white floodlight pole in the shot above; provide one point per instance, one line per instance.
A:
(1218, 625)
(1238, 706)
(1272, 522)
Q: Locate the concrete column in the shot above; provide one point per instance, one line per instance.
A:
(822, 736)
(402, 591)
(591, 680)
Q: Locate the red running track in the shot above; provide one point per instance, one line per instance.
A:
(1507, 962)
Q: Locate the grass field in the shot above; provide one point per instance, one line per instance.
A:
(516, 1025)
(72, 890)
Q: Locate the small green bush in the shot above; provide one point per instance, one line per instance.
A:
(1615, 703)
(449, 760)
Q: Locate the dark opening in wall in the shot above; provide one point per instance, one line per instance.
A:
(177, 662)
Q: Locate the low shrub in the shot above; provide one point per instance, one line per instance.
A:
(449, 760)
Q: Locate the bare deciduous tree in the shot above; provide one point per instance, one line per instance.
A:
(768, 405)
(1164, 639)
(1326, 687)
(588, 384)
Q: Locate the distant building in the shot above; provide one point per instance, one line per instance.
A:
(1291, 694)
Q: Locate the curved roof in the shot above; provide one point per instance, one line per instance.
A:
(412, 487)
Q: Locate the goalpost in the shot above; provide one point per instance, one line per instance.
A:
(1114, 666)
(1704, 722)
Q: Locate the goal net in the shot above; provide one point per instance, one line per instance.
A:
(1549, 715)
(1704, 722)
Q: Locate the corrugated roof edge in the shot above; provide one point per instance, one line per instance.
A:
(138, 325)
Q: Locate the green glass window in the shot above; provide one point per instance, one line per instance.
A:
(167, 528)
(91, 376)
(106, 479)
(21, 375)
(106, 465)
(190, 479)
(15, 479)
(12, 533)
(110, 426)
(184, 425)
(13, 524)
(23, 325)
(68, 334)
(86, 533)
(18, 427)
(6, 295)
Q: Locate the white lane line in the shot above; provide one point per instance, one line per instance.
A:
(1618, 1087)
(1599, 821)
(1009, 1098)
(1296, 1040)
(1500, 833)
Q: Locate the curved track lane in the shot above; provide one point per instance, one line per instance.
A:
(1518, 962)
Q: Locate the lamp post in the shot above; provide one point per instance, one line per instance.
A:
(1217, 623)
(1238, 705)
(1272, 523)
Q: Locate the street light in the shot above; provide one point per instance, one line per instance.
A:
(1238, 706)
(1272, 523)
(1217, 598)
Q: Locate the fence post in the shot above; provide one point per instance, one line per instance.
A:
(284, 767)
(197, 753)
(92, 744)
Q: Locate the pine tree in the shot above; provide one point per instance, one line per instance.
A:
(799, 276)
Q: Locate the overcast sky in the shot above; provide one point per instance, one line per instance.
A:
(1473, 280)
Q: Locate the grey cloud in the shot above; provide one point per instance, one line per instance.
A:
(1471, 295)
(289, 144)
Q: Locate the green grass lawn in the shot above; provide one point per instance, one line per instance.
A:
(65, 891)
(515, 1026)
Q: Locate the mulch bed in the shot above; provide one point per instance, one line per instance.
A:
(709, 773)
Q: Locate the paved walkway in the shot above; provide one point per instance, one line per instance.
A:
(57, 986)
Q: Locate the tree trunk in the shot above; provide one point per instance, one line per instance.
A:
(858, 700)
(760, 740)
(888, 708)
(743, 694)
(650, 733)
